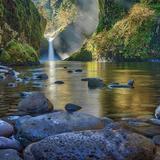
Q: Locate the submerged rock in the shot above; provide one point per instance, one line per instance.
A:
(130, 84)
(12, 85)
(37, 128)
(78, 70)
(107, 144)
(40, 76)
(9, 154)
(35, 103)
(59, 82)
(6, 129)
(70, 71)
(70, 108)
(94, 83)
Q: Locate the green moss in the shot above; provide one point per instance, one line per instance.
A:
(82, 56)
(135, 37)
(17, 53)
(110, 12)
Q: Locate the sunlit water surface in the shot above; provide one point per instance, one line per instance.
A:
(117, 103)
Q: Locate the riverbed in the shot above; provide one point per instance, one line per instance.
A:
(114, 103)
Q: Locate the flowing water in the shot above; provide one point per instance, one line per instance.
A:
(50, 49)
(116, 103)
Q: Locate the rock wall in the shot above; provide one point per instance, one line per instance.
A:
(20, 22)
(127, 31)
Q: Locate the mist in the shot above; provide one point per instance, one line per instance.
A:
(85, 24)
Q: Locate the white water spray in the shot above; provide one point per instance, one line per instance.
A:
(50, 49)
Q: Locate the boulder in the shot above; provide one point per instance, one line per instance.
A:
(94, 83)
(35, 103)
(6, 129)
(37, 128)
(156, 140)
(7, 143)
(9, 154)
(138, 126)
(107, 144)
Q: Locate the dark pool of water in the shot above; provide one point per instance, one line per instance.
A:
(116, 103)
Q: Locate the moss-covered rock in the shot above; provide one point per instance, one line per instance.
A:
(82, 55)
(20, 21)
(16, 53)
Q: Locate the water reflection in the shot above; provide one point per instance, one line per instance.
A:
(116, 103)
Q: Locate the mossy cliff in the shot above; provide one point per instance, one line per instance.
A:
(130, 32)
(21, 30)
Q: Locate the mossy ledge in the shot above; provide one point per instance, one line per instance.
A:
(21, 31)
(25, 54)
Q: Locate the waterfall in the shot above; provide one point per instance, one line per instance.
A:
(50, 49)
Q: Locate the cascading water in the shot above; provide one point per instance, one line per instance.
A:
(50, 49)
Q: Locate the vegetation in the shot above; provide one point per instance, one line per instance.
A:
(134, 35)
(20, 21)
(83, 56)
(25, 54)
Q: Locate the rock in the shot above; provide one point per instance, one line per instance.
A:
(107, 144)
(130, 84)
(157, 112)
(94, 83)
(156, 140)
(6, 129)
(2, 77)
(144, 128)
(84, 79)
(78, 70)
(6, 143)
(155, 121)
(19, 80)
(59, 82)
(12, 85)
(65, 67)
(40, 127)
(70, 108)
(40, 76)
(107, 120)
(9, 154)
(25, 94)
(36, 103)
(70, 71)
(38, 84)
(157, 155)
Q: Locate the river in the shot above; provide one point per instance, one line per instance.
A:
(115, 103)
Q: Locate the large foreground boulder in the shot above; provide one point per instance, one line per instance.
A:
(40, 127)
(35, 103)
(107, 144)
(6, 129)
(9, 154)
